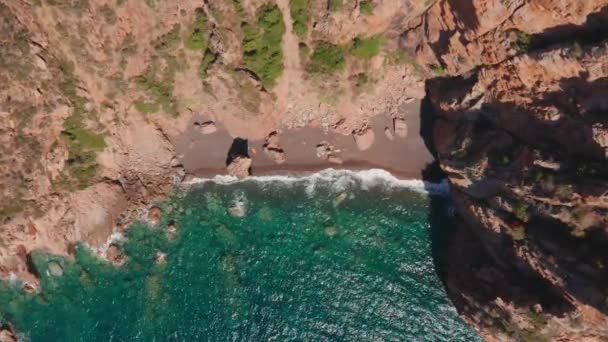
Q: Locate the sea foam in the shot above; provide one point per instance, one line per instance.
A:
(339, 180)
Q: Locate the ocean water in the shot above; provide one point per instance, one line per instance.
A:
(338, 256)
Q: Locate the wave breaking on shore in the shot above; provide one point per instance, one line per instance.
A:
(338, 179)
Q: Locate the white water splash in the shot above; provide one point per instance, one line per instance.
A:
(339, 180)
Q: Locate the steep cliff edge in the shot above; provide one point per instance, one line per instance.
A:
(523, 138)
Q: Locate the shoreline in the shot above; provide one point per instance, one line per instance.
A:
(304, 170)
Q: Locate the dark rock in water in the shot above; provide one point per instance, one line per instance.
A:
(154, 215)
(114, 254)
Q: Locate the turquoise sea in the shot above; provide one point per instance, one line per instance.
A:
(338, 256)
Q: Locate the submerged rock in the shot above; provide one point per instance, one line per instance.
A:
(389, 135)
(55, 269)
(154, 215)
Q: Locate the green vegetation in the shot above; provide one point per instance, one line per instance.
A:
(300, 13)
(262, 48)
(198, 38)
(362, 80)
(366, 7)
(438, 69)
(109, 14)
(238, 7)
(520, 210)
(335, 5)
(167, 41)
(160, 91)
(518, 233)
(366, 47)
(83, 144)
(522, 42)
(208, 59)
(146, 107)
(327, 58)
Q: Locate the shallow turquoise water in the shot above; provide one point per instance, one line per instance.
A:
(333, 259)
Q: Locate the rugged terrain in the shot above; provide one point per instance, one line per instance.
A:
(94, 95)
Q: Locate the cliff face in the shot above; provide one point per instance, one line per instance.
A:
(521, 129)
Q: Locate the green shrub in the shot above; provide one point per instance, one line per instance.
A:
(327, 58)
(438, 69)
(300, 14)
(518, 233)
(362, 80)
(366, 7)
(160, 91)
(146, 107)
(198, 38)
(335, 5)
(108, 14)
(167, 41)
(366, 47)
(520, 210)
(262, 49)
(522, 42)
(208, 59)
(82, 143)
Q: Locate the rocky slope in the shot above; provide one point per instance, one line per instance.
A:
(520, 128)
(94, 93)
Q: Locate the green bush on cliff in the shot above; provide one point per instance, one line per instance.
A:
(262, 49)
(335, 5)
(300, 14)
(327, 58)
(366, 47)
(198, 38)
(366, 7)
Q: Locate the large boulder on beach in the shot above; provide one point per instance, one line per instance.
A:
(206, 127)
(400, 126)
(364, 138)
(273, 149)
(239, 167)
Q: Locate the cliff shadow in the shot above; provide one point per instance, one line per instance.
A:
(239, 148)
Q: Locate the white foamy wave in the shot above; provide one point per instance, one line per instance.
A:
(339, 181)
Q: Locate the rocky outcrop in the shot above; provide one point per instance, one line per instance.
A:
(522, 142)
(240, 167)
(364, 138)
(272, 148)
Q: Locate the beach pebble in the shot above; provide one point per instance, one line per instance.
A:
(364, 138)
(389, 134)
(400, 127)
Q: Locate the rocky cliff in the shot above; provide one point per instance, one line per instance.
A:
(520, 126)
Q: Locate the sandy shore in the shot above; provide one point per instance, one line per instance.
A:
(205, 155)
